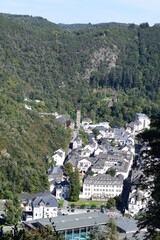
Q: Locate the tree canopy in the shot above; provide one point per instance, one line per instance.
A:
(13, 210)
(40, 233)
(150, 163)
(74, 187)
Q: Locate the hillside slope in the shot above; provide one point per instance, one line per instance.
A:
(25, 141)
(62, 67)
(112, 69)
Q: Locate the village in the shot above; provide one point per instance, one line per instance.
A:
(107, 169)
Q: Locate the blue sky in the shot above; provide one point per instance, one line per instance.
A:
(85, 11)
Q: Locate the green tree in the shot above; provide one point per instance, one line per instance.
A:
(97, 234)
(68, 169)
(151, 179)
(112, 232)
(90, 173)
(84, 136)
(13, 210)
(95, 132)
(111, 172)
(36, 234)
(74, 187)
(111, 203)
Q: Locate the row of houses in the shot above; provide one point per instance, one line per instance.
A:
(139, 197)
(113, 149)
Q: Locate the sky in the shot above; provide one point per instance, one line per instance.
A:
(85, 11)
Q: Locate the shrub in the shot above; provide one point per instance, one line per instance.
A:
(93, 206)
(73, 205)
(83, 206)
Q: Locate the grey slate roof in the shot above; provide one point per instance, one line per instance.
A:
(56, 174)
(28, 196)
(62, 184)
(99, 164)
(48, 200)
(103, 179)
(75, 221)
(125, 225)
(122, 167)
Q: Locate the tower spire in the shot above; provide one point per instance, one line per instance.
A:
(78, 116)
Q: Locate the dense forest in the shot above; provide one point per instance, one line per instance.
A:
(112, 69)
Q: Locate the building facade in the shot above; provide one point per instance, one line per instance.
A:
(102, 186)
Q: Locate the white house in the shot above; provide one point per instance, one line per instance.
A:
(89, 149)
(44, 207)
(77, 143)
(59, 157)
(100, 150)
(83, 165)
(99, 166)
(39, 205)
(138, 200)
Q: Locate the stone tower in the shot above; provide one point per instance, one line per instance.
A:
(78, 117)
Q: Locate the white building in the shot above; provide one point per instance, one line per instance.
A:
(77, 143)
(59, 157)
(102, 186)
(100, 150)
(44, 207)
(62, 190)
(141, 122)
(83, 165)
(40, 205)
(138, 201)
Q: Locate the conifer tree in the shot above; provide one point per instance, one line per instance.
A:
(74, 188)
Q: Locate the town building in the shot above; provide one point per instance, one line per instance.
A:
(77, 143)
(62, 190)
(40, 205)
(102, 186)
(59, 157)
(78, 226)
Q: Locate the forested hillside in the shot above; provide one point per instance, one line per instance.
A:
(112, 69)
(25, 141)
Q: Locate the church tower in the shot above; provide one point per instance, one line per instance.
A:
(78, 117)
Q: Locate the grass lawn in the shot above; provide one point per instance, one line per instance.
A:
(60, 202)
(88, 203)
